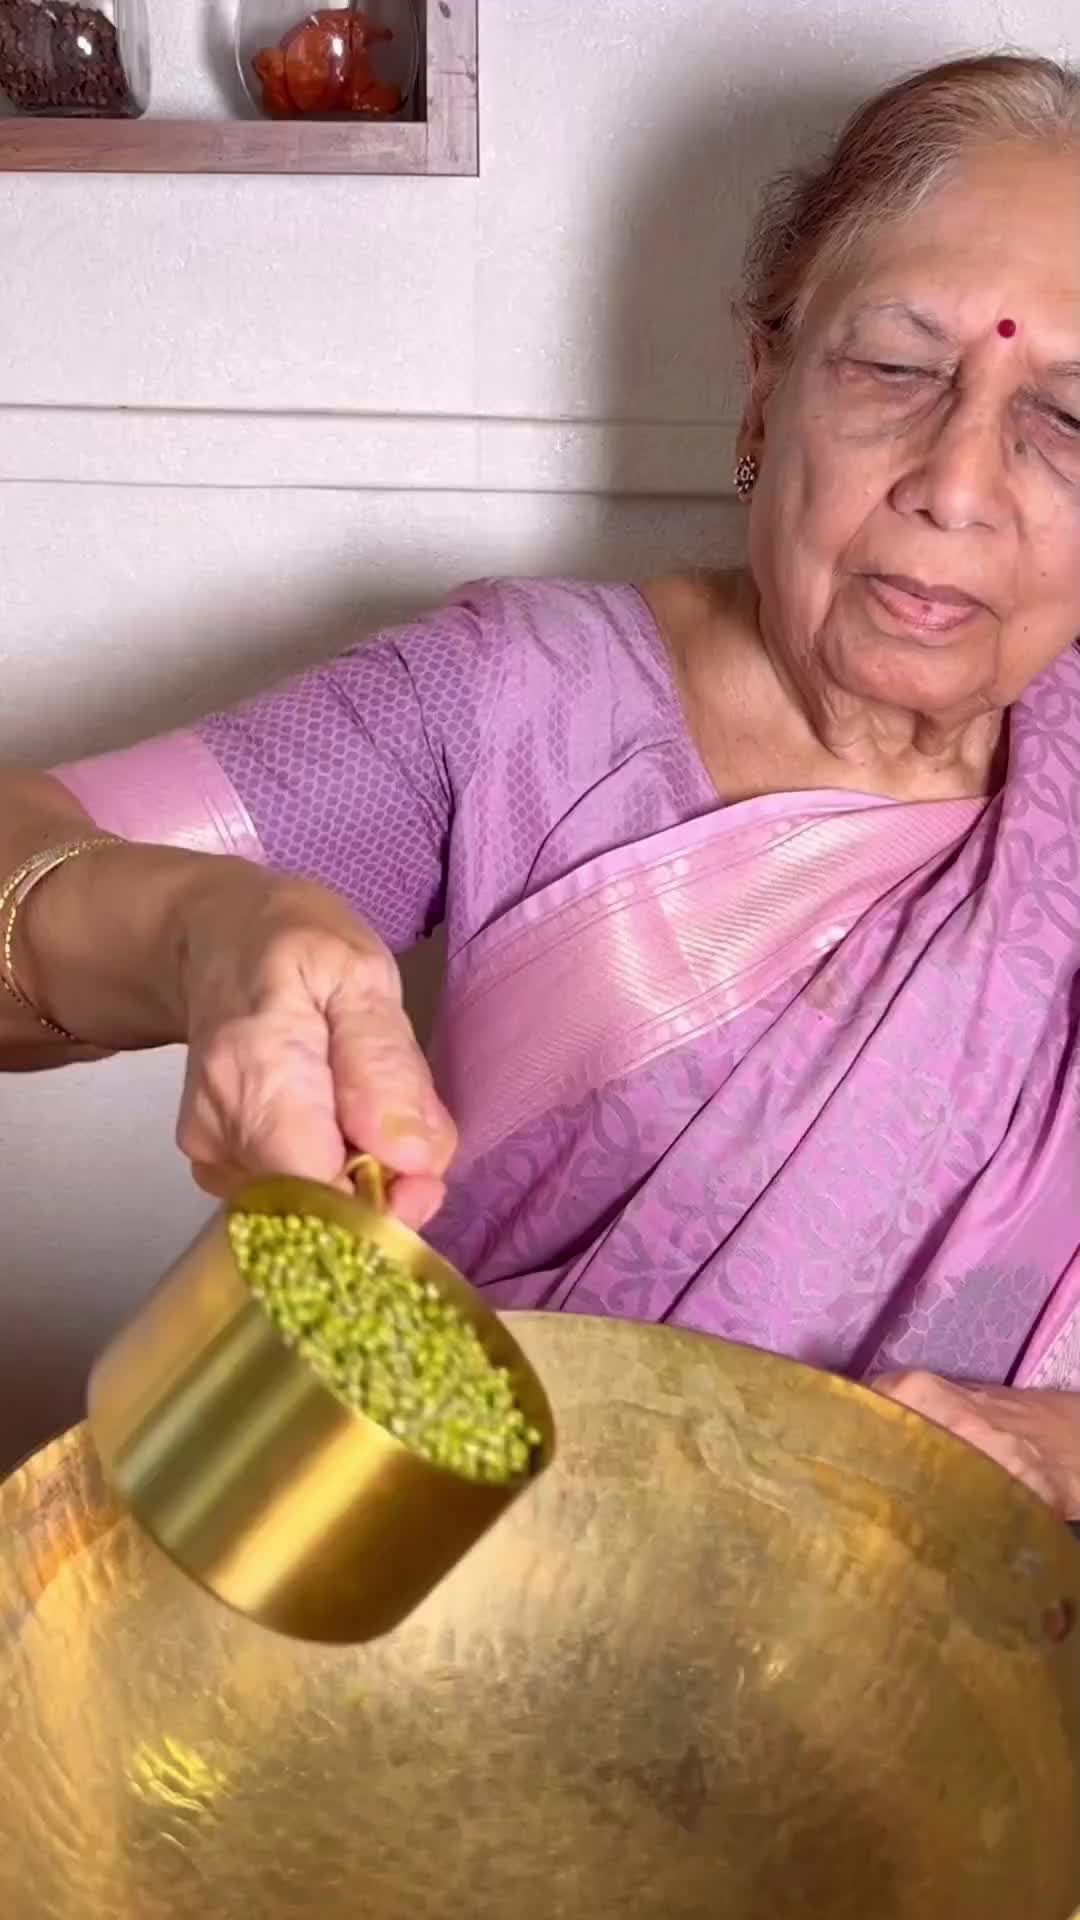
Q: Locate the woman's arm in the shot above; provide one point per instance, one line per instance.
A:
(349, 775)
(107, 960)
(299, 1048)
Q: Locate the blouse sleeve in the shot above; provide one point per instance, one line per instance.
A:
(348, 774)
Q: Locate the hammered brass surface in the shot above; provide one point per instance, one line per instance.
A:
(252, 1475)
(757, 1646)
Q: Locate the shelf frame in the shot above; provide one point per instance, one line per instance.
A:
(445, 142)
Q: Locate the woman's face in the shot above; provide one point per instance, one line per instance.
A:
(915, 532)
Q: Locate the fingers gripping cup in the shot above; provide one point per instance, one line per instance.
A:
(314, 1415)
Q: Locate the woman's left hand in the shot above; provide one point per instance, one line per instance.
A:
(1035, 1435)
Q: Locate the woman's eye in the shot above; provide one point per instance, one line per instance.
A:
(870, 378)
(890, 370)
(1065, 422)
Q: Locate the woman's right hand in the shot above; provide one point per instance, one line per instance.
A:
(300, 1051)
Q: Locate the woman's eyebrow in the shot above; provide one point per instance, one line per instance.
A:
(915, 317)
(926, 324)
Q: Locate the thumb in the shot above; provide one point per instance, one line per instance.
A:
(384, 1095)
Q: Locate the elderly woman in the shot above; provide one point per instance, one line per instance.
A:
(762, 889)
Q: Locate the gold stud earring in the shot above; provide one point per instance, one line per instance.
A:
(746, 476)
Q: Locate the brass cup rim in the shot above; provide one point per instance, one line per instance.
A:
(365, 1213)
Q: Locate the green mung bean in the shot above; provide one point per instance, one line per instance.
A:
(386, 1343)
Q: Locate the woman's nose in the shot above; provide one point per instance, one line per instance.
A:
(960, 479)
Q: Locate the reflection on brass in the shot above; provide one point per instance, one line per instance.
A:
(757, 1647)
(175, 1776)
(252, 1475)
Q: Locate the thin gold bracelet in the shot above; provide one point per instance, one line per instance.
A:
(16, 889)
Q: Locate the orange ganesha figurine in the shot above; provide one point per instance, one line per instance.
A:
(322, 66)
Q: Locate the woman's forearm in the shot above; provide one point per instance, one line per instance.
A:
(36, 812)
(299, 1048)
(98, 945)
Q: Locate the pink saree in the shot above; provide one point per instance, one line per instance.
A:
(801, 1071)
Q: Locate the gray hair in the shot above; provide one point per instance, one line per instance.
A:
(892, 153)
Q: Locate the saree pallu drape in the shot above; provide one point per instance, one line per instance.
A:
(802, 1072)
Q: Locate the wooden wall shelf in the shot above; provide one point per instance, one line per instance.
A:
(445, 141)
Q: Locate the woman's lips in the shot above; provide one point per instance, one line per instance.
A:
(924, 608)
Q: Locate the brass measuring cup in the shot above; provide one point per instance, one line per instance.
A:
(252, 1475)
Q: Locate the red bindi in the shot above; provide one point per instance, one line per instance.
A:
(1006, 328)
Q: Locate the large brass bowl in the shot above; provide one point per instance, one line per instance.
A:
(758, 1646)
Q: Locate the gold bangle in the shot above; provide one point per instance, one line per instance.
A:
(16, 889)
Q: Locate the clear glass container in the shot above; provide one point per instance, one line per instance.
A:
(83, 62)
(341, 61)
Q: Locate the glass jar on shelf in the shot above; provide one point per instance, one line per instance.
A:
(82, 62)
(341, 61)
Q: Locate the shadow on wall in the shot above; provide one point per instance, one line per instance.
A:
(669, 334)
(669, 322)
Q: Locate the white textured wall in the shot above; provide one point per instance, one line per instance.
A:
(238, 417)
